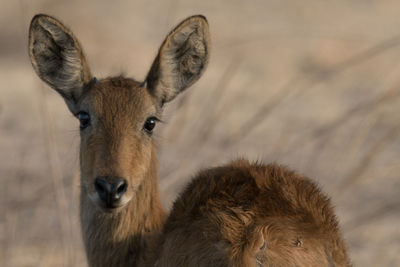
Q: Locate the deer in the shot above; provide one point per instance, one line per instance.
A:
(238, 214)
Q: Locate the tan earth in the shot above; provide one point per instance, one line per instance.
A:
(314, 85)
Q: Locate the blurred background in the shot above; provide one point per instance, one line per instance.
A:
(311, 84)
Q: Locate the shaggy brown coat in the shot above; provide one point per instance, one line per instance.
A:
(245, 214)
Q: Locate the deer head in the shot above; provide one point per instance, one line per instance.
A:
(117, 115)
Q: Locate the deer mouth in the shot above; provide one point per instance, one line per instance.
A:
(108, 205)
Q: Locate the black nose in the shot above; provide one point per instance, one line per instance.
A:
(110, 193)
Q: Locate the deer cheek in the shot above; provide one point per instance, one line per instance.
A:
(139, 164)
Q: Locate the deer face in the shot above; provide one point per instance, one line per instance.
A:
(117, 116)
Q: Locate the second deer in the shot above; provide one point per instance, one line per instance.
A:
(240, 214)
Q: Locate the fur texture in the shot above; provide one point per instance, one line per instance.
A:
(245, 214)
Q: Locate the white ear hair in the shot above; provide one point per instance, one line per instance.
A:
(181, 60)
(57, 58)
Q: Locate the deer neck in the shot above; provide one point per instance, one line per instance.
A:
(126, 237)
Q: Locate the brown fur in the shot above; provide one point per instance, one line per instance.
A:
(245, 214)
(240, 214)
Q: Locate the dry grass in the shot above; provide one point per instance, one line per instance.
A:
(312, 84)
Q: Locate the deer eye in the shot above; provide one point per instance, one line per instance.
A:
(150, 124)
(84, 119)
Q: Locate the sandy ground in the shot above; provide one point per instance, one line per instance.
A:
(314, 85)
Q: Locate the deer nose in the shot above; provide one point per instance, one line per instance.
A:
(110, 193)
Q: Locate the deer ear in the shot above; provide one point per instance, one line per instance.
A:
(57, 58)
(181, 60)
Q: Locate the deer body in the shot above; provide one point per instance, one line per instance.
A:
(240, 214)
(245, 214)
